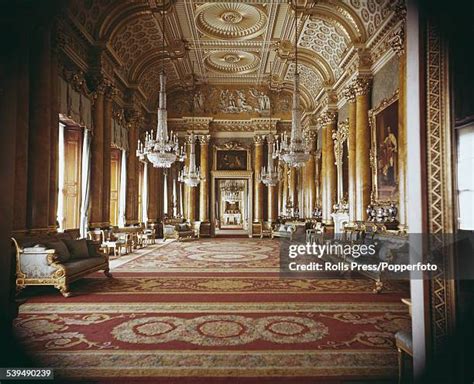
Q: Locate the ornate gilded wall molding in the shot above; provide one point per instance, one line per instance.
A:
(439, 188)
(339, 136)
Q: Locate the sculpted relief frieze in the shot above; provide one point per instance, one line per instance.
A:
(212, 101)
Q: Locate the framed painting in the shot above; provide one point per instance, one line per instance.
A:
(384, 152)
(231, 160)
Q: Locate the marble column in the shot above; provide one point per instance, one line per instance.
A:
(131, 212)
(39, 156)
(107, 125)
(329, 168)
(97, 161)
(363, 171)
(258, 186)
(204, 185)
(351, 151)
(152, 194)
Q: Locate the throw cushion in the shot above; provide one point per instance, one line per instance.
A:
(282, 228)
(92, 249)
(78, 248)
(60, 249)
(289, 228)
(183, 227)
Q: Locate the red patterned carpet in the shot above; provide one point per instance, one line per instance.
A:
(228, 316)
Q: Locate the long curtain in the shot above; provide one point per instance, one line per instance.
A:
(61, 155)
(145, 194)
(123, 190)
(85, 182)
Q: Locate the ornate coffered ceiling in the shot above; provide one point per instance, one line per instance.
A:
(231, 43)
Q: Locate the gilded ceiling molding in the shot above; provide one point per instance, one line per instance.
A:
(230, 21)
(232, 61)
(343, 16)
(397, 40)
(123, 12)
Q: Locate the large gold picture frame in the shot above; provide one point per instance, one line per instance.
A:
(384, 159)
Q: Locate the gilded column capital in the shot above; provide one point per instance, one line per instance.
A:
(349, 93)
(110, 91)
(258, 139)
(362, 85)
(204, 139)
(328, 117)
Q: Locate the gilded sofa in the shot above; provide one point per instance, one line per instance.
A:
(56, 259)
(177, 229)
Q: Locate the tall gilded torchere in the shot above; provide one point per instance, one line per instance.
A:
(351, 151)
(204, 186)
(258, 187)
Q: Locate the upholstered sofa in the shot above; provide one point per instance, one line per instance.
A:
(177, 229)
(283, 230)
(56, 259)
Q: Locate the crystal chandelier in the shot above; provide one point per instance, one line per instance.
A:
(269, 175)
(191, 175)
(231, 191)
(294, 150)
(163, 149)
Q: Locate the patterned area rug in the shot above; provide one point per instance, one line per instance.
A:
(209, 255)
(210, 325)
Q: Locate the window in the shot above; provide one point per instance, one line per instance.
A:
(115, 178)
(69, 164)
(465, 181)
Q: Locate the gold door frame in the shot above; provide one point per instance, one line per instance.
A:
(247, 175)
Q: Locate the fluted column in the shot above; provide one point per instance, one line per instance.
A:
(131, 214)
(363, 172)
(351, 151)
(204, 185)
(328, 167)
(97, 161)
(39, 168)
(258, 186)
(106, 154)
